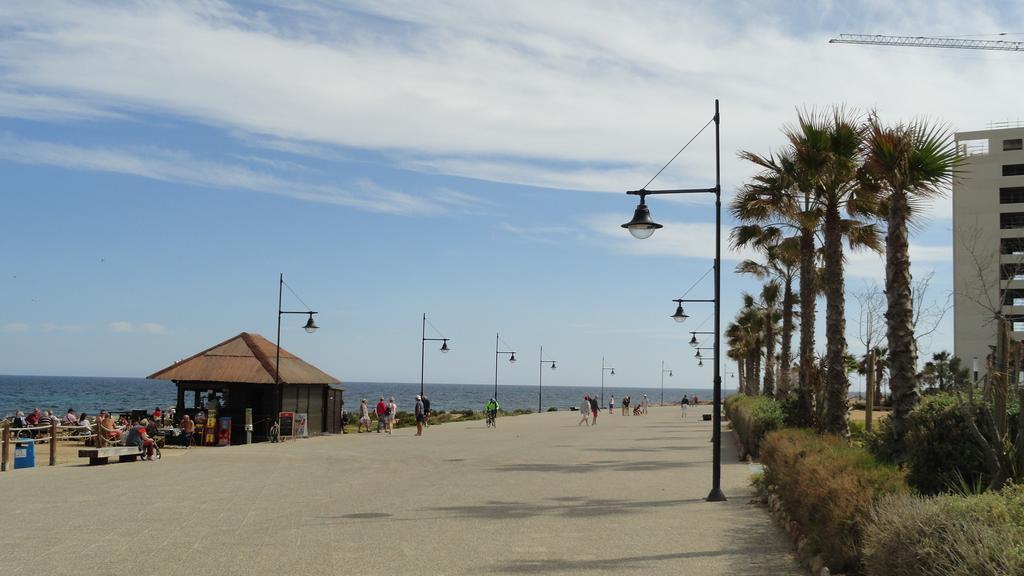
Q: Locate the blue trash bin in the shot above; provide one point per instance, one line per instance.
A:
(24, 453)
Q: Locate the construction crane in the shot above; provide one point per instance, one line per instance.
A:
(925, 42)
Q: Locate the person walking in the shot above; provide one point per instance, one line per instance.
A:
(611, 405)
(426, 410)
(643, 405)
(584, 411)
(364, 417)
(392, 414)
(684, 405)
(421, 415)
(625, 406)
(382, 415)
(595, 409)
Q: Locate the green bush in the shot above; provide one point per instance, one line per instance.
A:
(940, 448)
(829, 488)
(752, 417)
(947, 535)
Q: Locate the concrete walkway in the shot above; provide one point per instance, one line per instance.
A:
(538, 495)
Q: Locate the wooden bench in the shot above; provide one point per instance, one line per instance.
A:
(100, 455)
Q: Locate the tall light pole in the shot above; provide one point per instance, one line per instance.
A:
(663, 371)
(310, 327)
(603, 370)
(540, 379)
(642, 226)
(497, 352)
(423, 345)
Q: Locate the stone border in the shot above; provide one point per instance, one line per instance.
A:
(814, 563)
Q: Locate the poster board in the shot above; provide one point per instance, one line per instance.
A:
(287, 424)
(302, 425)
(224, 431)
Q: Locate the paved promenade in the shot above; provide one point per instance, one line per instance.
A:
(538, 495)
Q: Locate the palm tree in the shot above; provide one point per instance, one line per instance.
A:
(910, 164)
(829, 148)
(781, 264)
(776, 201)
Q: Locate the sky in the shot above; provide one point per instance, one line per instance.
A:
(163, 162)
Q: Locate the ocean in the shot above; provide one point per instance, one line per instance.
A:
(90, 394)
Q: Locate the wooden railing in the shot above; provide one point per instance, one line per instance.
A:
(56, 433)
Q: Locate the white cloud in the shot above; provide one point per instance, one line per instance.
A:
(140, 328)
(498, 90)
(15, 327)
(682, 239)
(66, 328)
(181, 166)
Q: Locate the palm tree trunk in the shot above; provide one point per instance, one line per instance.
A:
(753, 383)
(785, 355)
(741, 374)
(769, 354)
(808, 290)
(837, 386)
(900, 318)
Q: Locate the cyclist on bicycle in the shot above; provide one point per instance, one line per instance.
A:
(491, 409)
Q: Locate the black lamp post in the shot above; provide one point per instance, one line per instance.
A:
(423, 345)
(310, 327)
(663, 371)
(497, 352)
(642, 226)
(603, 370)
(540, 379)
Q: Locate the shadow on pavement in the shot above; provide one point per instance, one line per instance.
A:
(615, 565)
(498, 510)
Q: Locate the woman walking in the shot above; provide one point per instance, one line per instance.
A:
(364, 417)
(584, 412)
(393, 414)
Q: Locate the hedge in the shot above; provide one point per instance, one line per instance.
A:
(752, 417)
(947, 535)
(829, 488)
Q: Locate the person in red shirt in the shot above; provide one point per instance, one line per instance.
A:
(382, 411)
(158, 414)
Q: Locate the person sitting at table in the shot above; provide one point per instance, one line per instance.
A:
(108, 427)
(34, 418)
(71, 419)
(158, 414)
(138, 436)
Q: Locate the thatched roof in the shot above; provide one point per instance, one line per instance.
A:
(246, 358)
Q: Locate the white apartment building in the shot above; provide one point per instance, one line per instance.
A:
(988, 240)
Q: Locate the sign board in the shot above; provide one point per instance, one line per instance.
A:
(210, 438)
(287, 424)
(302, 425)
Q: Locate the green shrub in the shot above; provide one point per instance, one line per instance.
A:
(552, 409)
(752, 417)
(940, 448)
(948, 535)
(829, 488)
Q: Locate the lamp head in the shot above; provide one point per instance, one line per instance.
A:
(700, 363)
(310, 326)
(641, 226)
(444, 346)
(512, 358)
(670, 373)
(680, 315)
(613, 372)
(697, 355)
(693, 341)
(553, 365)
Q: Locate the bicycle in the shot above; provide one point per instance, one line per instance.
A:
(492, 419)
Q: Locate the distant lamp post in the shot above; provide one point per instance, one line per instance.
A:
(540, 379)
(604, 369)
(642, 226)
(663, 371)
(423, 346)
(310, 327)
(498, 352)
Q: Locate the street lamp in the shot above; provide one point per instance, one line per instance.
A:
(497, 352)
(423, 345)
(694, 343)
(603, 370)
(642, 226)
(663, 371)
(540, 379)
(310, 327)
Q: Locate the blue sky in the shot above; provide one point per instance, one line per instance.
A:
(163, 162)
